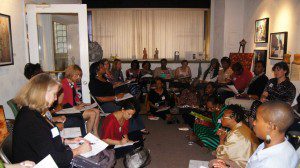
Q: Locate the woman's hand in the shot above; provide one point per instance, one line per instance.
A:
(219, 164)
(120, 95)
(222, 134)
(83, 148)
(25, 164)
(124, 141)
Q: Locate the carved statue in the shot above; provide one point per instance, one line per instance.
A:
(144, 53)
(242, 44)
(156, 54)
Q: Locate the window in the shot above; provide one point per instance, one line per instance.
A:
(60, 38)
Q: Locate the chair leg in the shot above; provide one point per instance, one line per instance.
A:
(3, 157)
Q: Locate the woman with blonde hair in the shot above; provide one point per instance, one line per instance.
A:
(70, 98)
(34, 135)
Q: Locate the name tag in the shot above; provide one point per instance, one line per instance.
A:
(48, 115)
(219, 121)
(234, 79)
(54, 132)
(163, 98)
(271, 85)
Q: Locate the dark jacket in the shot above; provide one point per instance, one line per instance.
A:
(257, 86)
(32, 140)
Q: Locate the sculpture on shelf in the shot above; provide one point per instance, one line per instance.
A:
(156, 54)
(242, 44)
(176, 55)
(144, 53)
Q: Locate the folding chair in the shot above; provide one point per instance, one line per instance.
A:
(102, 113)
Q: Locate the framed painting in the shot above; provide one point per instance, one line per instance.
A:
(261, 30)
(278, 45)
(6, 50)
(260, 55)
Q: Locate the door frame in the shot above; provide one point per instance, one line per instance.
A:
(81, 10)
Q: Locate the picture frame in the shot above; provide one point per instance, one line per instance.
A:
(6, 47)
(261, 30)
(260, 55)
(278, 45)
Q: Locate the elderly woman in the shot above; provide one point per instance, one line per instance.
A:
(70, 96)
(240, 142)
(34, 135)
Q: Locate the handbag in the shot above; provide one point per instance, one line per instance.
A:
(105, 159)
(138, 158)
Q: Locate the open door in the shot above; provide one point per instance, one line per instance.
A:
(58, 37)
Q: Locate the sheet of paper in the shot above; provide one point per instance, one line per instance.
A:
(198, 164)
(147, 76)
(97, 145)
(46, 162)
(235, 91)
(126, 96)
(68, 111)
(90, 106)
(163, 109)
(72, 132)
(127, 144)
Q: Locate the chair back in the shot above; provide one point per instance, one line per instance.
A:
(5, 139)
(15, 109)
(102, 113)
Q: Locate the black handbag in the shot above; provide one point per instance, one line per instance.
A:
(138, 158)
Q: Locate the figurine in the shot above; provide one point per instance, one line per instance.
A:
(242, 45)
(144, 54)
(156, 54)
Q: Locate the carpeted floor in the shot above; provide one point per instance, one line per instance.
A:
(168, 146)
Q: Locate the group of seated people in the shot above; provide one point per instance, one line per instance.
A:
(218, 126)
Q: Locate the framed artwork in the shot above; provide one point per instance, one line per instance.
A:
(6, 50)
(261, 30)
(260, 55)
(278, 45)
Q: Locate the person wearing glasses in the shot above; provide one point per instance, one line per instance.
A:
(73, 74)
(240, 142)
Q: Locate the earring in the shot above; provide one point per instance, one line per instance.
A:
(268, 139)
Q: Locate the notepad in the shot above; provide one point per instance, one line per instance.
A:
(198, 164)
(126, 96)
(89, 106)
(127, 144)
(147, 76)
(46, 162)
(232, 87)
(68, 111)
(98, 145)
(163, 109)
(72, 132)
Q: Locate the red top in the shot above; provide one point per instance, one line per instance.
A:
(68, 92)
(111, 128)
(242, 81)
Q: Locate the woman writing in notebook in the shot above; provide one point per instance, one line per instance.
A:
(34, 136)
(114, 130)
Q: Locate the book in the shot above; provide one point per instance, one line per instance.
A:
(127, 144)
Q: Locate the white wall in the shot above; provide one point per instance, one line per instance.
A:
(12, 77)
(283, 16)
(227, 22)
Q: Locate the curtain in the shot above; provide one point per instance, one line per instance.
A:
(126, 32)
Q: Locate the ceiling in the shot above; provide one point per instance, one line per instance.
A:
(147, 3)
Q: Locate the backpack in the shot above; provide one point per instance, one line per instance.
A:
(105, 159)
(138, 158)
